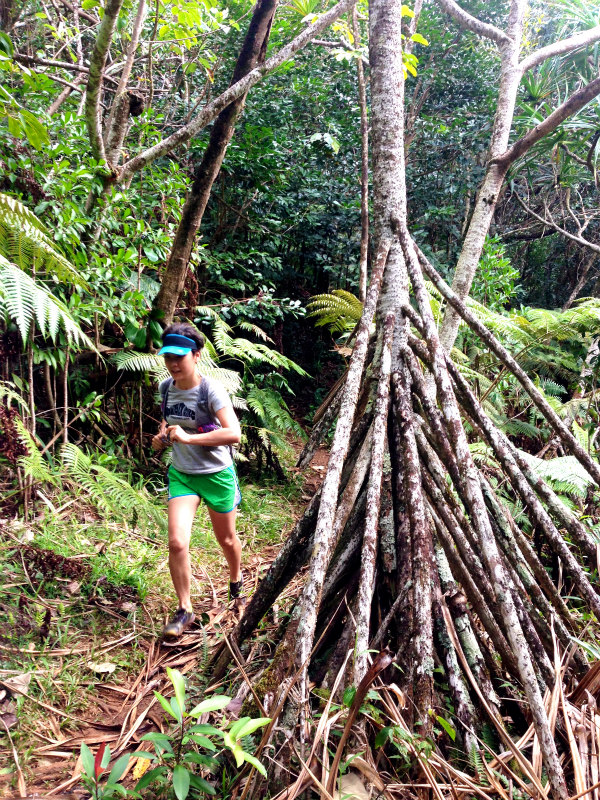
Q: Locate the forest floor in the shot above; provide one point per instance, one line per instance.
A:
(82, 605)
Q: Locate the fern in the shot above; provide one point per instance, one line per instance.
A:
(109, 492)
(26, 242)
(132, 361)
(9, 395)
(24, 301)
(565, 474)
(339, 310)
(34, 464)
(251, 353)
(272, 414)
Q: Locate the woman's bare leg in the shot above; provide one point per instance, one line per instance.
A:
(224, 528)
(181, 518)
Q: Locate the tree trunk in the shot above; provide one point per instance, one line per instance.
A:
(252, 53)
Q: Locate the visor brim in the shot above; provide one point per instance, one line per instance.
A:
(174, 350)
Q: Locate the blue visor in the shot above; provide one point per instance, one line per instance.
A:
(177, 345)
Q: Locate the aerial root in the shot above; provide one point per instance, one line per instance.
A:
(409, 544)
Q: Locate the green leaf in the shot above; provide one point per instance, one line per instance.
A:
(177, 710)
(349, 695)
(165, 704)
(416, 37)
(383, 735)
(178, 682)
(405, 11)
(118, 769)
(87, 759)
(205, 729)
(239, 754)
(87, 5)
(252, 726)
(255, 763)
(149, 776)
(37, 134)
(237, 726)
(181, 782)
(204, 786)
(447, 727)
(202, 740)
(215, 703)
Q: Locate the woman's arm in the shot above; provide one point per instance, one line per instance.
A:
(229, 433)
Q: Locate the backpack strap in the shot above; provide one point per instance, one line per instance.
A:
(165, 397)
(202, 399)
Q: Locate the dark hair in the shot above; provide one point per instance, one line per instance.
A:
(185, 329)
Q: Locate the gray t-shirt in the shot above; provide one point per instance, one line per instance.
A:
(181, 407)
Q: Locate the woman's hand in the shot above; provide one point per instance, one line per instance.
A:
(175, 433)
(160, 441)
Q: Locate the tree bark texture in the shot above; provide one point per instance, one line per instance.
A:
(96, 69)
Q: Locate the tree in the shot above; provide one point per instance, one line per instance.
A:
(253, 52)
(432, 523)
(501, 156)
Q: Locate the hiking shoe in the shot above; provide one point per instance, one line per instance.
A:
(182, 620)
(236, 589)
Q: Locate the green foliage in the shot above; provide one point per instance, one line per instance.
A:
(178, 755)
(110, 493)
(339, 310)
(26, 302)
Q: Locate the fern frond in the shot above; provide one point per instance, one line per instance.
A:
(272, 412)
(132, 361)
(109, 492)
(249, 326)
(9, 395)
(24, 300)
(34, 464)
(25, 241)
(339, 310)
(565, 474)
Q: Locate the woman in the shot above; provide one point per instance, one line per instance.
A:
(200, 423)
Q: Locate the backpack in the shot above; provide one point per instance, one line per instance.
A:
(205, 421)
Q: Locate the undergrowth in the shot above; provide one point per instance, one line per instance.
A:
(83, 579)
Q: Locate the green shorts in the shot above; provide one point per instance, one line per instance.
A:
(219, 490)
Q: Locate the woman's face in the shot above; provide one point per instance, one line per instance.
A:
(182, 367)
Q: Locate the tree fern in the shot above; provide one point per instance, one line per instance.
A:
(24, 301)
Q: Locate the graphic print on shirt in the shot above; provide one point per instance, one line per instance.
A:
(181, 411)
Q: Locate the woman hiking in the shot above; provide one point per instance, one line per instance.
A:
(199, 421)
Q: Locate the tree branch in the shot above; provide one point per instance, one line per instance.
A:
(551, 224)
(470, 23)
(214, 108)
(94, 84)
(574, 42)
(119, 112)
(571, 106)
